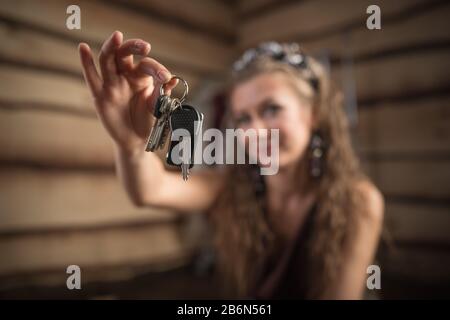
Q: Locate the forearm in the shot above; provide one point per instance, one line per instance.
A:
(140, 172)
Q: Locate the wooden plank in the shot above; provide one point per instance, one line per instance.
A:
(27, 47)
(400, 75)
(46, 89)
(417, 265)
(171, 45)
(34, 199)
(246, 7)
(424, 178)
(136, 245)
(418, 223)
(125, 281)
(32, 136)
(50, 138)
(205, 14)
(420, 126)
(420, 28)
(313, 18)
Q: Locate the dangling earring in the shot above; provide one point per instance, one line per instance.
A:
(257, 180)
(259, 185)
(317, 154)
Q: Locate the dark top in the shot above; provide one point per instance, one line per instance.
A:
(286, 277)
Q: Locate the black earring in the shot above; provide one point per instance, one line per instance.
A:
(317, 154)
(258, 180)
(259, 185)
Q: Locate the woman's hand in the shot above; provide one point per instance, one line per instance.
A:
(126, 92)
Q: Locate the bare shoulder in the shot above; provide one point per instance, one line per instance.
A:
(373, 200)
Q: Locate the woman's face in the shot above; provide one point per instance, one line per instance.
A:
(268, 101)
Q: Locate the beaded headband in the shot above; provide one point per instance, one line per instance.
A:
(289, 53)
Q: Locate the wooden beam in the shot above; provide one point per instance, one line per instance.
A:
(249, 9)
(49, 138)
(424, 267)
(170, 45)
(28, 45)
(209, 17)
(421, 27)
(400, 74)
(414, 223)
(421, 126)
(55, 55)
(151, 244)
(411, 177)
(64, 94)
(33, 199)
(308, 19)
(50, 282)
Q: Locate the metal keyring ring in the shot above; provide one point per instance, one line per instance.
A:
(186, 87)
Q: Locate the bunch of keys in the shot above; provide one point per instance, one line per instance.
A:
(171, 114)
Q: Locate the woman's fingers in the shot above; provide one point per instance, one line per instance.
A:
(170, 85)
(151, 67)
(107, 57)
(90, 72)
(124, 55)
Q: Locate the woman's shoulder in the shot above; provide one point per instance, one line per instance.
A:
(372, 201)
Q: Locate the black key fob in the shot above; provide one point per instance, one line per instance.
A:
(188, 118)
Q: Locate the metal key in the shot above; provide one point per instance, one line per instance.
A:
(174, 103)
(163, 108)
(160, 127)
(188, 118)
(186, 155)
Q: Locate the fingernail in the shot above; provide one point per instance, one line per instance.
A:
(163, 75)
(140, 46)
(117, 33)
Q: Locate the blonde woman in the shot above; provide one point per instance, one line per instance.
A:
(311, 230)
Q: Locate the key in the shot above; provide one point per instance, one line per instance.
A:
(188, 118)
(185, 157)
(159, 130)
(174, 103)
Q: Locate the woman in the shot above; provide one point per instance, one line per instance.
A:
(309, 231)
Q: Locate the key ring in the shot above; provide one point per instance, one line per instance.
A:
(186, 88)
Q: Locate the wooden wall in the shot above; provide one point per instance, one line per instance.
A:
(60, 201)
(401, 74)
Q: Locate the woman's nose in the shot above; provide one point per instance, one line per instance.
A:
(258, 124)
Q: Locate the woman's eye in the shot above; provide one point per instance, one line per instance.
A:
(242, 120)
(271, 110)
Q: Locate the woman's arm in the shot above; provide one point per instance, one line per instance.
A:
(124, 94)
(360, 248)
(149, 184)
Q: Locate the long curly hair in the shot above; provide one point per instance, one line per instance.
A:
(244, 237)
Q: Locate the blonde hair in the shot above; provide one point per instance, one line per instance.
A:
(243, 235)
